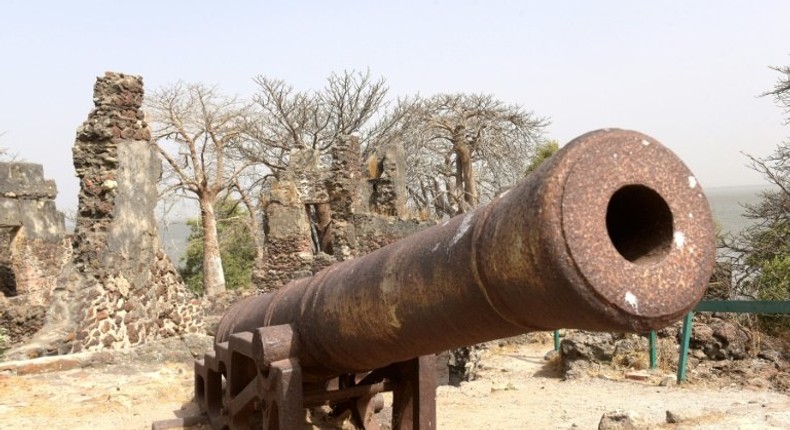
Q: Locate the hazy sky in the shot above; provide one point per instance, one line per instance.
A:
(686, 73)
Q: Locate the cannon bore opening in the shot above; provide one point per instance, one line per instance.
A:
(639, 223)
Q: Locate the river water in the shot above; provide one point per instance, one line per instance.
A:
(727, 205)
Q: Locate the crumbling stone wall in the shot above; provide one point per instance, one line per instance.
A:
(374, 231)
(305, 172)
(344, 194)
(365, 207)
(120, 288)
(387, 181)
(289, 248)
(132, 292)
(33, 247)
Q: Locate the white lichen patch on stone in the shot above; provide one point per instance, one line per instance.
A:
(679, 239)
(692, 182)
(632, 301)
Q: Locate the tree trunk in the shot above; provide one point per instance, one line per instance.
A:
(213, 275)
(256, 230)
(463, 158)
(323, 215)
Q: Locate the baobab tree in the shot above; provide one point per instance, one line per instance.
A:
(286, 119)
(464, 147)
(197, 131)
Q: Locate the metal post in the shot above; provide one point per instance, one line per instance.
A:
(556, 340)
(653, 353)
(684, 346)
(414, 396)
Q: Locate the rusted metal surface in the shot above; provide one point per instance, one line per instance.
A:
(612, 233)
(540, 257)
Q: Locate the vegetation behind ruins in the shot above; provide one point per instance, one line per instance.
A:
(461, 149)
(760, 254)
(235, 243)
(441, 134)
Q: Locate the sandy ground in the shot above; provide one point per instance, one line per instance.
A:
(518, 390)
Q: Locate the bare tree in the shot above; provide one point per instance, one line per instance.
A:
(6, 155)
(286, 119)
(466, 147)
(197, 131)
(781, 91)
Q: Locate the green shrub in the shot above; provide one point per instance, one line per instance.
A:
(775, 285)
(236, 247)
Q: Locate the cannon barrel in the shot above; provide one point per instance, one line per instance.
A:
(611, 233)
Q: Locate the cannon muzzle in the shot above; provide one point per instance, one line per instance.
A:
(612, 233)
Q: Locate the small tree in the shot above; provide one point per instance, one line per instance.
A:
(543, 151)
(236, 244)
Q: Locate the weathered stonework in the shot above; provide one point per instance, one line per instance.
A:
(374, 231)
(120, 288)
(387, 181)
(346, 176)
(318, 215)
(289, 248)
(344, 195)
(309, 179)
(33, 247)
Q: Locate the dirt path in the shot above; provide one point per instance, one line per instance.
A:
(518, 390)
(112, 397)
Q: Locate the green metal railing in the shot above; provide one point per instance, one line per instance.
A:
(734, 306)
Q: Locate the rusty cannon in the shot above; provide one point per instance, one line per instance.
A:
(612, 233)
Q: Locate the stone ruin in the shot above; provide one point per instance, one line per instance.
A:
(320, 213)
(109, 285)
(33, 247)
(118, 288)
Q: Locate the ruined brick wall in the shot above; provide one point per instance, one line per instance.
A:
(343, 185)
(120, 288)
(307, 175)
(368, 211)
(289, 244)
(374, 232)
(131, 292)
(387, 181)
(33, 247)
